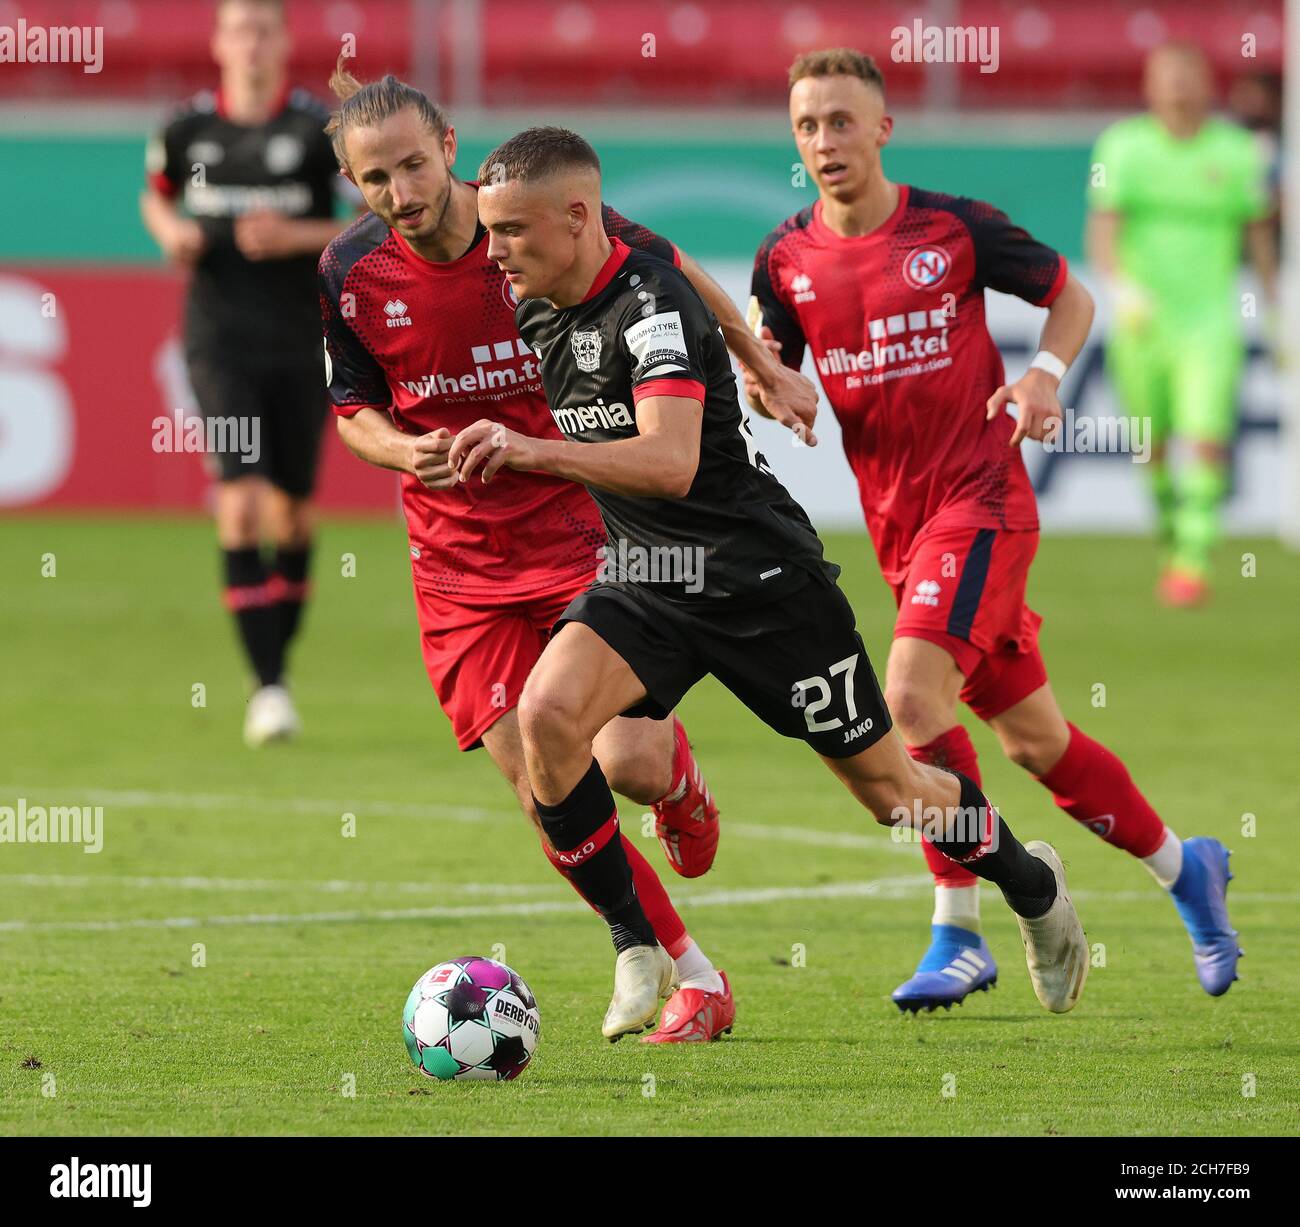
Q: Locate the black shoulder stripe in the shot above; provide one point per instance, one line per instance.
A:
(800, 221)
(365, 235)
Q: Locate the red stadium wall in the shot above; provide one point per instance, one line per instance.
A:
(89, 361)
(513, 53)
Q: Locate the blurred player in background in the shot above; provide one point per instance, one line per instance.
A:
(885, 283)
(1255, 102)
(241, 192)
(1172, 194)
(420, 342)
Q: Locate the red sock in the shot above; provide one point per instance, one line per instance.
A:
(1094, 788)
(954, 750)
(670, 931)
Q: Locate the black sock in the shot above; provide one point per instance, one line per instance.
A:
(994, 853)
(249, 597)
(584, 831)
(291, 568)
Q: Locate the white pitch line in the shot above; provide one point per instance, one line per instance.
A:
(883, 887)
(821, 839)
(344, 886)
(326, 886)
(145, 799)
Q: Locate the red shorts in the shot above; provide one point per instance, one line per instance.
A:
(479, 651)
(965, 591)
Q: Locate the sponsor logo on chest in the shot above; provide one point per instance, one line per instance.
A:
(495, 372)
(600, 416)
(908, 342)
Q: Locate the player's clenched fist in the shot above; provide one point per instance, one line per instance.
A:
(491, 445)
(428, 459)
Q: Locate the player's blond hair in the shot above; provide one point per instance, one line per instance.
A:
(368, 104)
(538, 153)
(837, 61)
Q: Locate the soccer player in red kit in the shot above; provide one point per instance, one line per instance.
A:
(885, 284)
(421, 341)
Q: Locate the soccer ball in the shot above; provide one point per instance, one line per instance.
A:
(471, 1018)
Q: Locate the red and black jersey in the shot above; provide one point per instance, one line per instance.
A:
(643, 331)
(895, 322)
(217, 170)
(435, 344)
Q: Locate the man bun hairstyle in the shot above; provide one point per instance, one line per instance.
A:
(537, 153)
(367, 105)
(837, 61)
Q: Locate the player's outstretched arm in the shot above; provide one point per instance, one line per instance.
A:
(1260, 243)
(779, 392)
(658, 462)
(1035, 394)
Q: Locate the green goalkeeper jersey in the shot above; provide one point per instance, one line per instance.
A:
(1183, 204)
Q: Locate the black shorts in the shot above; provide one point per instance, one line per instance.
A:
(263, 419)
(798, 662)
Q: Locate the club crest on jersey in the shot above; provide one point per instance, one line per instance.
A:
(926, 267)
(210, 153)
(586, 349)
(508, 293)
(283, 153)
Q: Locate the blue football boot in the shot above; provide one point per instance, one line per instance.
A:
(1201, 897)
(958, 962)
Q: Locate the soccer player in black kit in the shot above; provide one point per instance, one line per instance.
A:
(711, 567)
(255, 175)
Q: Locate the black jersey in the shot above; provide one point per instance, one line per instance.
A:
(217, 170)
(643, 331)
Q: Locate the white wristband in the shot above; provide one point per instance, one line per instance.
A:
(1047, 361)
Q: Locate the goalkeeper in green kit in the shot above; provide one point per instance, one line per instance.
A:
(1174, 196)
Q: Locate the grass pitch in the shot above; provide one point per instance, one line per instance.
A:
(233, 961)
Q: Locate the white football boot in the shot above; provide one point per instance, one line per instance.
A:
(1055, 947)
(642, 975)
(270, 717)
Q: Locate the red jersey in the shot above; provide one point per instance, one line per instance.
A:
(895, 321)
(435, 344)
